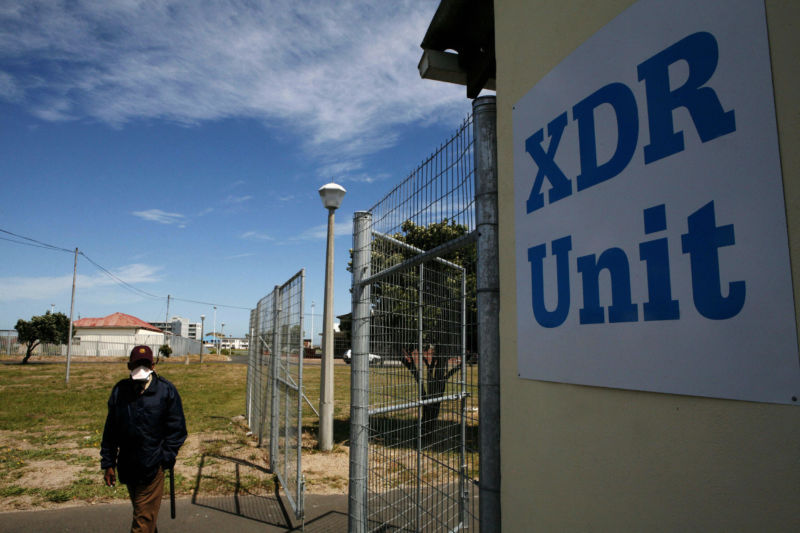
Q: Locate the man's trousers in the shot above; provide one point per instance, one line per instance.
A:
(146, 499)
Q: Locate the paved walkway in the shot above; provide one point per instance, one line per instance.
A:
(324, 514)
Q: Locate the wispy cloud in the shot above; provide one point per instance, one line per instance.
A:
(363, 177)
(256, 236)
(321, 232)
(234, 200)
(162, 217)
(44, 287)
(341, 74)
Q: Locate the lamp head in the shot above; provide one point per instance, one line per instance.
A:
(331, 195)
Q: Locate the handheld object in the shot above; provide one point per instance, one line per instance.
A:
(172, 493)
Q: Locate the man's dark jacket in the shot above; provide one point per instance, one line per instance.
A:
(143, 430)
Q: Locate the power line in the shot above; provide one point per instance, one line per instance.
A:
(39, 244)
(210, 303)
(121, 281)
(29, 244)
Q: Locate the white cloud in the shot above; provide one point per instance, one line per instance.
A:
(321, 232)
(256, 236)
(237, 199)
(44, 287)
(342, 74)
(365, 178)
(9, 90)
(162, 217)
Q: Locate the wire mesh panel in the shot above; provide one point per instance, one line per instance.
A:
(259, 371)
(289, 383)
(421, 394)
(275, 383)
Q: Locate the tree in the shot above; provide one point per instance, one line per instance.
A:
(396, 310)
(49, 328)
(164, 350)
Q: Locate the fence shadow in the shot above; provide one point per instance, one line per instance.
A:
(330, 522)
(241, 488)
(438, 435)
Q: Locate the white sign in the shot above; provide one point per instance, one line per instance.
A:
(651, 246)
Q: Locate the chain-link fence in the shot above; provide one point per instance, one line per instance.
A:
(414, 460)
(275, 383)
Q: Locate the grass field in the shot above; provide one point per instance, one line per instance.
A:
(50, 433)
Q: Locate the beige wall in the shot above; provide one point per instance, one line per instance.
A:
(590, 459)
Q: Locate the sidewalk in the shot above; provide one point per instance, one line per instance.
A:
(222, 513)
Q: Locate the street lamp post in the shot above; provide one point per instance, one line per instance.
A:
(331, 195)
(215, 325)
(221, 336)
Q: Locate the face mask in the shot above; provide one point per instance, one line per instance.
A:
(141, 373)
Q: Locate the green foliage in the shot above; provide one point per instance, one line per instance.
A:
(432, 293)
(164, 350)
(49, 328)
(396, 304)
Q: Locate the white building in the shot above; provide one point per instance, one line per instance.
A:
(235, 343)
(115, 334)
(180, 327)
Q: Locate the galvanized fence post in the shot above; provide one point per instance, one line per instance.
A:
(359, 381)
(301, 482)
(420, 398)
(273, 380)
(249, 390)
(484, 112)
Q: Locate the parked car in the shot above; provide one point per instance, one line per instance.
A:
(374, 359)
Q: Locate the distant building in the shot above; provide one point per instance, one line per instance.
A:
(194, 330)
(115, 325)
(180, 327)
(235, 343)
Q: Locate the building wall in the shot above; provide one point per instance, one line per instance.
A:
(193, 331)
(114, 334)
(591, 459)
(180, 326)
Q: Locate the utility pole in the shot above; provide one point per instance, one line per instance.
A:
(166, 321)
(202, 335)
(71, 310)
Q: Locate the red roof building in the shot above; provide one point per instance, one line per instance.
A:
(115, 321)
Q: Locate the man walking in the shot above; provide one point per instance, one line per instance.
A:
(144, 430)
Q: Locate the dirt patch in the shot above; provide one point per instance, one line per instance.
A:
(48, 474)
(52, 463)
(327, 473)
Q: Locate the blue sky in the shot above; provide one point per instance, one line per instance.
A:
(180, 146)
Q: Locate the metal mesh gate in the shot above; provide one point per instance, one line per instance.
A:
(414, 306)
(275, 383)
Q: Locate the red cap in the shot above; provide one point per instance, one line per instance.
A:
(141, 352)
